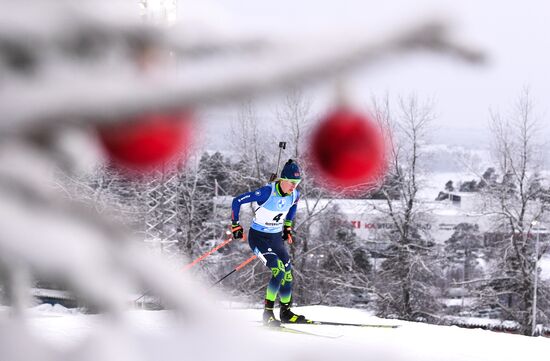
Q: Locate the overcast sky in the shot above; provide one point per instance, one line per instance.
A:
(514, 34)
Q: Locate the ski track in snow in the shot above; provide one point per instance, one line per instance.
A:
(411, 342)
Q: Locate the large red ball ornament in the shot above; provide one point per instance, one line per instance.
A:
(147, 141)
(347, 150)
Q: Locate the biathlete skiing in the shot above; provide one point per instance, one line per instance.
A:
(271, 227)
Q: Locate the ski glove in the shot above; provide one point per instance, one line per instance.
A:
(237, 230)
(288, 234)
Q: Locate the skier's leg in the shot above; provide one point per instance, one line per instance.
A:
(285, 273)
(277, 274)
(266, 250)
(261, 247)
(285, 291)
(277, 278)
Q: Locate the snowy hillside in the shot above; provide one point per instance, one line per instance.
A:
(411, 342)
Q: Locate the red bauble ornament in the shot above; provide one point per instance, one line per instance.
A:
(147, 141)
(347, 150)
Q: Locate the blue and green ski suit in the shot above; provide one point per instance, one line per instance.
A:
(274, 210)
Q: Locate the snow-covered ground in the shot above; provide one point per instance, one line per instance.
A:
(412, 341)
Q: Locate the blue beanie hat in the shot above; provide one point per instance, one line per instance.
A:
(291, 170)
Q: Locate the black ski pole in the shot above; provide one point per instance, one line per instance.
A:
(282, 145)
(235, 270)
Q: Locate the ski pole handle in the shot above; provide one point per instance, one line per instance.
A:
(290, 239)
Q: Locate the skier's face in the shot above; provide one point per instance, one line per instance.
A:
(288, 186)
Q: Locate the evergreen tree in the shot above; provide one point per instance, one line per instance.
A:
(449, 186)
(470, 186)
(489, 177)
(463, 249)
(462, 252)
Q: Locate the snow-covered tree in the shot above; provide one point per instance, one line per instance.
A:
(405, 285)
(462, 251)
(516, 202)
(255, 148)
(339, 266)
(295, 116)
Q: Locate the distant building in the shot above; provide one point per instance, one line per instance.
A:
(440, 218)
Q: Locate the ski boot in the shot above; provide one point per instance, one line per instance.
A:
(287, 316)
(269, 319)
